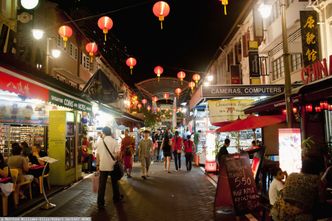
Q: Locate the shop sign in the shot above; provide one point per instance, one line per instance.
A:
(316, 71)
(235, 74)
(23, 113)
(22, 87)
(69, 102)
(228, 110)
(254, 64)
(309, 32)
(226, 91)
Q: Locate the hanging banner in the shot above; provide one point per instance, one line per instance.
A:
(309, 32)
(227, 110)
(254, 64)
(22, 87)
(69, 102)
(235, 74)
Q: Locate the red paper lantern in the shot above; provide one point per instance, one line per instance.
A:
(324, 105)
(131, 62)
(330, 107)
(65, 32)
(166, 95)
(181, 75)
(148, 108)
(178, 91)
(318, 109)
(196, 78)
(308, 108)
(154, 98)
(158, 70)
(294, 110)
(92, 49)
(105, 23)
(139, 105)
(161, 10)
(144, 101)
(192, 85)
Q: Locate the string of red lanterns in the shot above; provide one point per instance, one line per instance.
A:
(161, 10)
(105, 23)
(131, 62)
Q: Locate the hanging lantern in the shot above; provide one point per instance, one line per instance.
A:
(65, 32)
(158, 70)
(139, 105)
(166, 96)
(196, 78)
(144, 101)
(161, 10)
(308, 108)
(181, 75)
(191, 85)
(224, 3)
(318, 109)
(324, 105)
(294, 110)
(131, 62)
(154, 98)
(92, 49)
(178, 91)
(105, 23)
(148, 108)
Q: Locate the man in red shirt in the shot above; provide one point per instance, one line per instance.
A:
(177, 144)
(189, 147)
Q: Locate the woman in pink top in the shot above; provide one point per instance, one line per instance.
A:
(177, 148)
(189, 147)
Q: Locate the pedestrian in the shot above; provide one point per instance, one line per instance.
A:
(144, 153)
(177, 144)
(189, 147)
(276, 185)
(223, 151)
(105, 165)
(158, 139)
(166, 147)
(127, 151)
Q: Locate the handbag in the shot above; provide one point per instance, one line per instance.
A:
(118, 170)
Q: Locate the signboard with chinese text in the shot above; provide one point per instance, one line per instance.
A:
(290, 151)
(254, 64)
(22, 87)
(227, 110)
(227, 91)
(69, 102)
(310, 38)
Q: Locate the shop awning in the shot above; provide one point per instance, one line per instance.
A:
(253, 122)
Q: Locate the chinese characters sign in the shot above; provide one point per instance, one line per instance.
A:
(22, 87)
(309, 32)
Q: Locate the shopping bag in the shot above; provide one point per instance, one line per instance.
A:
(95, 182)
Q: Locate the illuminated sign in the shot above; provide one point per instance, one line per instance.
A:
(316, 71)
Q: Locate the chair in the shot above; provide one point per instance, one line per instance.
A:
(18, 185)
(41, 182)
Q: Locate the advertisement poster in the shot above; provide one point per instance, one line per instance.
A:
(23, 113)
(290, 150)
(227, 110)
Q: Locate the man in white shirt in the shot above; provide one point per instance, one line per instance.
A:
(276, 185)
(105, 165)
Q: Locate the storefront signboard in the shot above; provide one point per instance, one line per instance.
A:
(22, 87)
(290, 150)
(227, 110)
(254, 64)
(316, 71)
(310, 39)
(227, 91)
(69, 102)
(23, 113)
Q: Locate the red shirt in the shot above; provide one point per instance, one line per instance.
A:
(188, 146)
(176, 143)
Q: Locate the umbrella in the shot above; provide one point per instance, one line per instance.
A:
(253, 122)
(221, 124)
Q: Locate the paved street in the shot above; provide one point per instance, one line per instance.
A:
(176, 196)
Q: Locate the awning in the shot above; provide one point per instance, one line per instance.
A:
(253, 122)
(221, 124)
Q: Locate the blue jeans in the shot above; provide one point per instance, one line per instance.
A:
(177, 160)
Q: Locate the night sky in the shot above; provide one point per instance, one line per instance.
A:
(192, 32)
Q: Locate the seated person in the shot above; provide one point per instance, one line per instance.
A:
(34, 160)
(17, 161)
(276, 185)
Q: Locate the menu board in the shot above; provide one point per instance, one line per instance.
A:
(241, 182)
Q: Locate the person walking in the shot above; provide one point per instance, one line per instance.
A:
(127, 151)
(177, 144)
(223, 151)
(189, 147)
(158, 139)
(145, 147)
(105, 165)
(166, 148)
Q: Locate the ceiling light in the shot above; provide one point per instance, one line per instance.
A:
(37, 34)
(55, 53)
(29, 4)
(265, 10)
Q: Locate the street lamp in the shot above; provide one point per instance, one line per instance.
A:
(288, 84)
(29, 4)
(37, 34)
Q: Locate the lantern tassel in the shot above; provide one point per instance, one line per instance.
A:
(91, 59)
(225, 10)
(158, 79)
(105, 37)
(161, 25)
(181, 82)
(131, 71)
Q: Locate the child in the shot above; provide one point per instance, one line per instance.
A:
(276, 185)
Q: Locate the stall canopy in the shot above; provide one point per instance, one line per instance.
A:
(253, 122)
